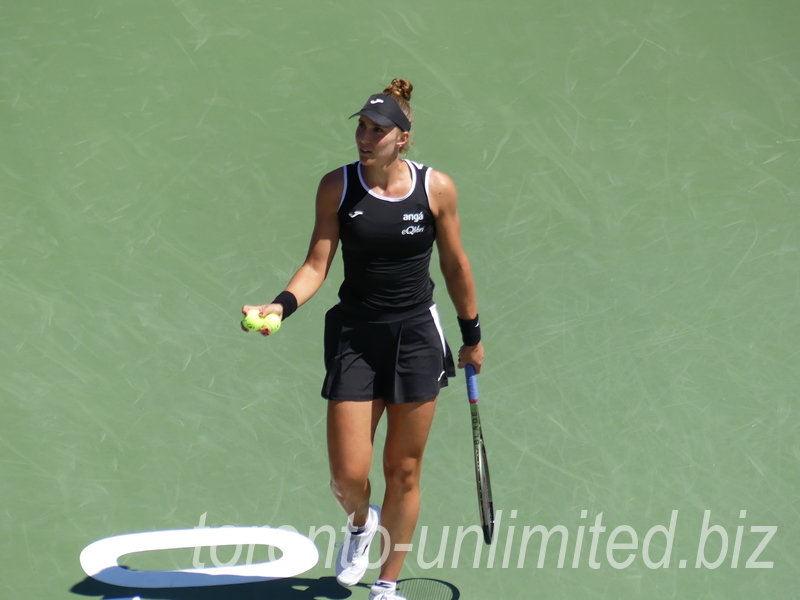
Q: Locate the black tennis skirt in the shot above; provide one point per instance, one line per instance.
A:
(397, 361)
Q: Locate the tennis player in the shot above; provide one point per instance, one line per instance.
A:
(385, 351)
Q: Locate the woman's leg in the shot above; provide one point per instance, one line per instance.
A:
(408, 426)
(351, 432)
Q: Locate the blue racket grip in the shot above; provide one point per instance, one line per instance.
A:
(472, 383)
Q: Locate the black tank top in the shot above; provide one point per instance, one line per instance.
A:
(386, 248)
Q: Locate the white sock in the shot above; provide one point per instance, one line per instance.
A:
(356, 530)
(384, 584)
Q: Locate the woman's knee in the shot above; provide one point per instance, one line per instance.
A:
(402, 474)
(346, 482)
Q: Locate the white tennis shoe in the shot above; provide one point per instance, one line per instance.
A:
(353, 559)
(377, 593)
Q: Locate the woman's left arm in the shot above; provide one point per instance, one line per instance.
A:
(453, 260)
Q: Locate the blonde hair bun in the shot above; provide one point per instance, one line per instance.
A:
(401, 88)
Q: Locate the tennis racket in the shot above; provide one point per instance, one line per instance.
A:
(485, 504)
(422, 588)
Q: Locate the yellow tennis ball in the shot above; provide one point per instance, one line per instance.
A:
(253, 321)
(272, 322)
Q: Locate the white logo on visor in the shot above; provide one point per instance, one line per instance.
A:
(355, 213)
(376, 101)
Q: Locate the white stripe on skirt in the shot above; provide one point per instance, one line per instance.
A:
(438, 323)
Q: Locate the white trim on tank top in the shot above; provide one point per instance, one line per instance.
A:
(344, 189)
(387, 198)
(428, 184)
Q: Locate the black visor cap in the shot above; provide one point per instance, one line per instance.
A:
(384, 111)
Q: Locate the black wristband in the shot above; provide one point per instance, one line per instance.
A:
(470, 330)
(288, 301)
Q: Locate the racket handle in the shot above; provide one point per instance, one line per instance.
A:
(472, 383)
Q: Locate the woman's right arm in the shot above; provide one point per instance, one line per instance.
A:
(324, 241)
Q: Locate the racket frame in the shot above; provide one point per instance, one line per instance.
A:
(482, 479)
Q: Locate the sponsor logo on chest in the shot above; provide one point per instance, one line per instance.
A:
(412, 229)
(416, 218)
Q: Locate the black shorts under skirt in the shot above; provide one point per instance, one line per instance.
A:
(399, 361)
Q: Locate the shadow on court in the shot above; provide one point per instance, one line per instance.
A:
(279, 589)
(325, 588)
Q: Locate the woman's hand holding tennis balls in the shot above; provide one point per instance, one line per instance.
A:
(265, 318)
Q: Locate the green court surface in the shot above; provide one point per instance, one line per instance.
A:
(629, 179)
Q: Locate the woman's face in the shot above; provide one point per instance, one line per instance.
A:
(376, 144)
